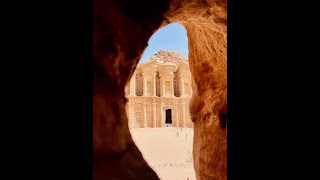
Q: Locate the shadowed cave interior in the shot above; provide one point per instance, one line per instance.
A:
(121, 31)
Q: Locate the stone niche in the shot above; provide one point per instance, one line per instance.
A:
(166, 73)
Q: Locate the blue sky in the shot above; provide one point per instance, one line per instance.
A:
(171, 37)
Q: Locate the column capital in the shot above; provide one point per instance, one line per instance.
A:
(154, 102)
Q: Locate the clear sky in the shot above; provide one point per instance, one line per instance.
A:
(171, 37)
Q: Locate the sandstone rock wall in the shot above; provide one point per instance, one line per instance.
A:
(122, 29)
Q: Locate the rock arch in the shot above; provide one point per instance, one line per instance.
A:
(121, 32)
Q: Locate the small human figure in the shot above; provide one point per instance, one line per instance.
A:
(177, 133)
(186, 135)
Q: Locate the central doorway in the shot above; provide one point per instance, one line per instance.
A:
(168, 117)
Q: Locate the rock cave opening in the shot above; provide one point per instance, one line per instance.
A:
(158, 97)
(121, 33)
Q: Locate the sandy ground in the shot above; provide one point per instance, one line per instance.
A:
(168, 154)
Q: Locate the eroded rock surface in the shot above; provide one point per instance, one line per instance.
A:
(122, 29)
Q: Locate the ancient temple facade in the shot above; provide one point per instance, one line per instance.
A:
(159, 92)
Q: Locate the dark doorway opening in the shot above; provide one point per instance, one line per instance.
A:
(168, 116)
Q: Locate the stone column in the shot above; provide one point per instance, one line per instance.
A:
(182, 86)
(161, 115)
(144, 115)
(172, 85)
(131, 120)
(132, 90)
(183, 114)
(154, 105)
(144, 84)
(154, 93)
(162, 86)
(177, 115)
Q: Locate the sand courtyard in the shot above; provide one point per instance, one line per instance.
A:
(168, 150)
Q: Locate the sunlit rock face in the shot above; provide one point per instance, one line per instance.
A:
(159, 92)
(122, 29)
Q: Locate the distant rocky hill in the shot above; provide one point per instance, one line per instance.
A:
(167, 57)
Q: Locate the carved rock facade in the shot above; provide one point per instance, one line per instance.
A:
(159, 92)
